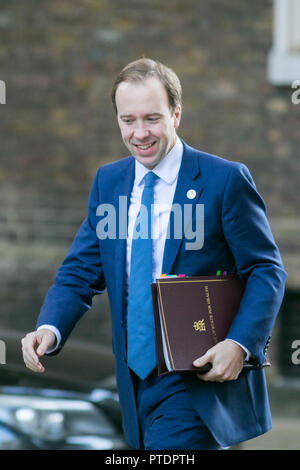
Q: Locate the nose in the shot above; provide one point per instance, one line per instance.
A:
(141, 132)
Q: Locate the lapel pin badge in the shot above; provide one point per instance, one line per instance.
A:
(191, 194)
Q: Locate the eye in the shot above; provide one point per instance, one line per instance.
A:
(127, 120)
(153, 119)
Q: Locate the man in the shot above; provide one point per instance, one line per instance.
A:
(228, 404)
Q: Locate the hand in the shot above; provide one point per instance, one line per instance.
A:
(226, 358)
(34, 345)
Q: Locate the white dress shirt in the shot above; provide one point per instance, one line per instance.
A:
(164, 189)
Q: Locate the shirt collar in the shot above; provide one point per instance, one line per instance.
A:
(168, 167)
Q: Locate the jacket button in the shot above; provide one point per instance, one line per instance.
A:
(124, 360)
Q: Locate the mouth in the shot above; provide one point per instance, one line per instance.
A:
(145, 147)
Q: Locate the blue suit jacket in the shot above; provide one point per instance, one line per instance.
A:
(237, 238)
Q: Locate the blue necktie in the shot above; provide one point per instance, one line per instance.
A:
(141, 356)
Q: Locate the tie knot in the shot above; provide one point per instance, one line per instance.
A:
(150, 178)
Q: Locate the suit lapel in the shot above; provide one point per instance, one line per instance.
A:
(122, 193)
(187, 180)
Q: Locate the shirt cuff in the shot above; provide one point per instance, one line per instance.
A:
(57, 335)
(248, 354)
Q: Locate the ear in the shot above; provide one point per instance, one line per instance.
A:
(177, 116)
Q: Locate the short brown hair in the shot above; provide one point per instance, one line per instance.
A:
(141, 69)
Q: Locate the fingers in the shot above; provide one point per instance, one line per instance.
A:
(219, 374)
(34, 345)
(226, 360)
(30, 357)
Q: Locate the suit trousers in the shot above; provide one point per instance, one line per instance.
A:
(168, 420)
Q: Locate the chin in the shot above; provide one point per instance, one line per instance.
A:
(149, 162)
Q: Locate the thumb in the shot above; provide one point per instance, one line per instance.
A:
(45, 341)
(201, 361)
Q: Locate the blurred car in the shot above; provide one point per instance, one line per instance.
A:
(64, 408)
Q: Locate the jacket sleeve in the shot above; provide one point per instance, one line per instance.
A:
(78, 279)
(258, 262)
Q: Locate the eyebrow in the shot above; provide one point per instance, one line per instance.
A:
(130, 115)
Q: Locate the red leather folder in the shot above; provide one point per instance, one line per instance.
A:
(191, 315)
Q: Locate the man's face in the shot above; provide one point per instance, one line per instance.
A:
(147, 124)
